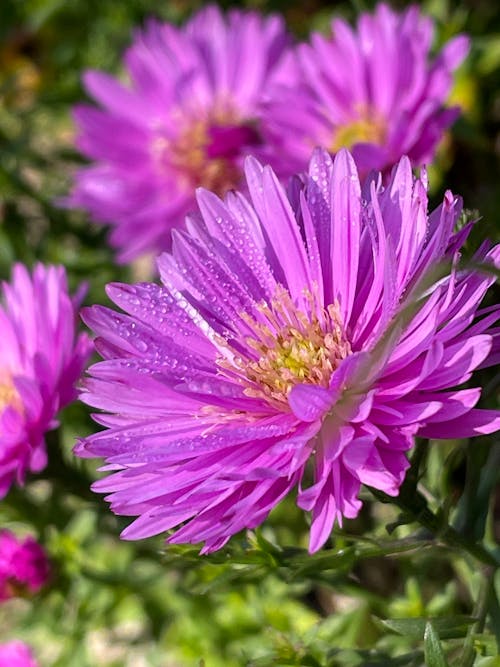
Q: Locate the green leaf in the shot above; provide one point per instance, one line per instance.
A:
(304, 564)
(491, 661)
(450, 627)
(483, 465)
(494, 614)
(433, 651)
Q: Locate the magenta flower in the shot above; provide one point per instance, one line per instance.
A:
(24, 566)
(282, 337)
(191, 112)
(375, 91)
(16, 654)
(40, 361)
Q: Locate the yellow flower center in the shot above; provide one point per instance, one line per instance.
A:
(367, 127)
(291, 347)
(205, 152)
(8, 393)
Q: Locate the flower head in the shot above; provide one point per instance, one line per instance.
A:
(23, 565)
(191, 113)
(374, 90)
(288, 331)
(16, 654)
(40, 360)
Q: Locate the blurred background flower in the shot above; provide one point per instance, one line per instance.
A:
(375, 90)
(41, 358)
(16, 654)
(24, 566)
(192, 112)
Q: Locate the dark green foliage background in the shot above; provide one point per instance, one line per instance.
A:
(365, 599)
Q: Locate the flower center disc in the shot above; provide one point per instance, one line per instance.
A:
(289, 347)
(367, 128)
(206, 152)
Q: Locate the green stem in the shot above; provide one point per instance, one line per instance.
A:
(480, 612)
(414, 504)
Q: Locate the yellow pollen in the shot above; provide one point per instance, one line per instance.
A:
(8, 393)
(366, 127)
(188, 155)
(290, 347)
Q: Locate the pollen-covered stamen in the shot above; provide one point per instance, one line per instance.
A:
(207, 150)
(287, 347)
(8, 393)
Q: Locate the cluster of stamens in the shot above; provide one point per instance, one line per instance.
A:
(189, 154)
(288, 347)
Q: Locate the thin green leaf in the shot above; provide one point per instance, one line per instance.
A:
(433, 651)
(450, 627)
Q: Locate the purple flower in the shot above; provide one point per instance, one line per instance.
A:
(375, 91)
(40, 360)
(289, 331)
(191, 113)
(23, 565)
(16, 654)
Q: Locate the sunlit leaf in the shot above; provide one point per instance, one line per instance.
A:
(434, 654)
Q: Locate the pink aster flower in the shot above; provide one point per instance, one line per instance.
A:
(23, 565)
(16, 654)
(40, 360)
(190, 113)
(283, 335)
(375, 90)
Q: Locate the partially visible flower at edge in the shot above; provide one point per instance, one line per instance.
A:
(16, 654)
(374, 90)
(280, 341)
(191, 113)
(41, 358)
(24, 566)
